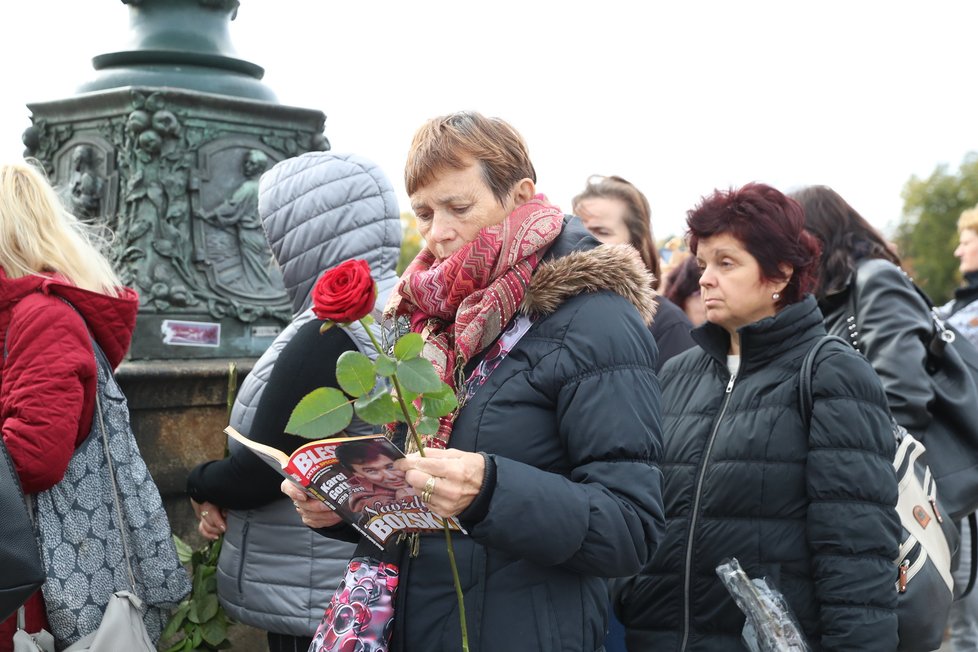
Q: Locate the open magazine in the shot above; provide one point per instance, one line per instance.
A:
(356, 477)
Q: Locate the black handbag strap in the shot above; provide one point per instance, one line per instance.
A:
(973, 527)
(805, 399)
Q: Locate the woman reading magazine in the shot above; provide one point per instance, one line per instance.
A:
(551, 462)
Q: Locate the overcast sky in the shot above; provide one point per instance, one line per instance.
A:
(677, 97)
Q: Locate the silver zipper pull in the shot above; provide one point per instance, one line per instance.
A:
(730, 384)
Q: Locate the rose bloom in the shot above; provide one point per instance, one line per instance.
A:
(345, 293)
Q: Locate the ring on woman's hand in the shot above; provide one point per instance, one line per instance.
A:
(429, 488)
(204, 514)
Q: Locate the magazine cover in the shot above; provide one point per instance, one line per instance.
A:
(356, 477)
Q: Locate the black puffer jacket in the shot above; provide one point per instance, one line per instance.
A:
(571, 420)
(811, 510)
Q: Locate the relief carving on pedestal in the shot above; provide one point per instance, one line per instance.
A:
(88, 181)
(178, 191)
(229, 241)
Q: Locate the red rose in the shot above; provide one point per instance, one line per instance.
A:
(345, 293)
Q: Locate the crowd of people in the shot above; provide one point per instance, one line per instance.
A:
(625, 424)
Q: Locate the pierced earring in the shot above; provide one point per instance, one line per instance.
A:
(776, 296)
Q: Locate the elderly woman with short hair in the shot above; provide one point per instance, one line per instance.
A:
(551, 462)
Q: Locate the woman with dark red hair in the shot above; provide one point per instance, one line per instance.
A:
(812, 508)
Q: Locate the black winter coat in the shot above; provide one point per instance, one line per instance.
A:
(671, 330)
(813, 510)
(570, 419)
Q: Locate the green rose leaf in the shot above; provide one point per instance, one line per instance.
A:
(208, 607)
(418, 376)
(427, 426)
(320, 413)
(327, 324)
(193, 614)
(213, 550)
(184, 551)
(440, 403)
(378, 409)
(215, 630)
(355, 373)
(385, 366)
(200, 573)
(408, 347)
(176, 621)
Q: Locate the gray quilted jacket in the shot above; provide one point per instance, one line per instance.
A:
(318, 210)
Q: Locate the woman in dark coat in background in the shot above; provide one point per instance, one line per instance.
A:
(616, 212)
(810, 508)
(869, 300)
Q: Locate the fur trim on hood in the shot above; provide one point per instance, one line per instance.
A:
(618, 268)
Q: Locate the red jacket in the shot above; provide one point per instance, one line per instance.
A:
(48, 380)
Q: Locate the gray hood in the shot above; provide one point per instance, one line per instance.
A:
(320, 209)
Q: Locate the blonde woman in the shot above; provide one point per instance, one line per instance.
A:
(47, 372)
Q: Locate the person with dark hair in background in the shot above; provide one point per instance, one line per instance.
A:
(894, 320)
(683, 289)
(274, 573)
(616, 212)
(550, 463)
(868, 300)
(812, 508)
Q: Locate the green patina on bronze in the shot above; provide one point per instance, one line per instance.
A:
(171, 168)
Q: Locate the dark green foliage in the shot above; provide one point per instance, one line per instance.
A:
(927, 234)
(199, 623)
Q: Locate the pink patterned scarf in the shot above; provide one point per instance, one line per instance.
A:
(461, 304)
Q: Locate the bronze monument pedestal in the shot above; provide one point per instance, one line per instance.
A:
(164, 148)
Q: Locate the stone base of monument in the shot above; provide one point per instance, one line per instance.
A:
(179, 411)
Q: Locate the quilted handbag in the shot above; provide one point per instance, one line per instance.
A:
(23, 571)
(929, 538)
(105, 509)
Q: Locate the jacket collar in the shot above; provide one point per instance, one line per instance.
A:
(768, 339)
(968, 293)
(576, 263)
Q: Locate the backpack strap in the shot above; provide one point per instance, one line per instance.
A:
(805, 399)
(973, 533)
